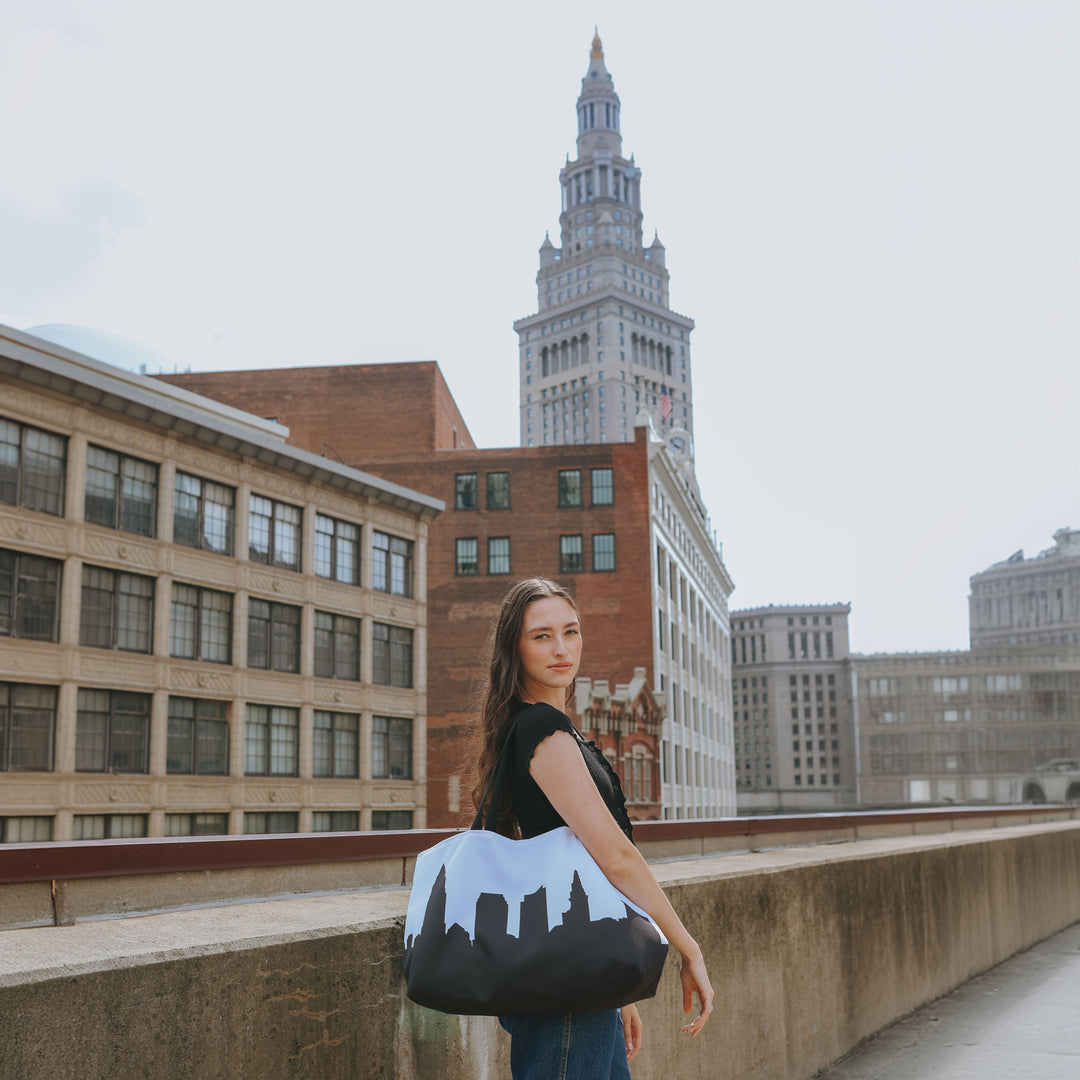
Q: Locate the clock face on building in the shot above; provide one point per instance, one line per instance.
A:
(679, 442)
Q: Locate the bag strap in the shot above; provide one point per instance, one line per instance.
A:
(494, 787)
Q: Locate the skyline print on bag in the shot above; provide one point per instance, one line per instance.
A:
(518, 951)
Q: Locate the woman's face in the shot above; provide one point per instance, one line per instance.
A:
(550, 649)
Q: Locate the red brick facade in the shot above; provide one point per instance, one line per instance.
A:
(398, 421)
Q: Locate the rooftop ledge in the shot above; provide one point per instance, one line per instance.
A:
(810, 948)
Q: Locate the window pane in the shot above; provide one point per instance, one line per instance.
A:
(31, 720)
(466, 560)
(217, 510)
(43, 471)
(322, 745)
(260, 516)
(138, 496)
(380, 654)
(91, 731)
(287, 536)
(187, 494)
(569, 487)
(499, 555)
(571, 559)
(603, 487)
(212, 739)
(603, 551)
(215, 626)
(255, 740)
(10, 440)
(346, 648)
(134, 612)
(285, 638)
(180, 751)
(102, 480)
(465, 491)
(498, 491)
(324, 645)
(96, 613)
(258, 634)
(284, 725)
(324, 546)
(36, 601)
(129, 734)
(346, 745)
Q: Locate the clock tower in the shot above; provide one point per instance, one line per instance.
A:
(604, 343)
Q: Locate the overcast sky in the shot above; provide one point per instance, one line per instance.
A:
(871, 209)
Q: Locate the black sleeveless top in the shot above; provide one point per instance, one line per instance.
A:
(533, 810)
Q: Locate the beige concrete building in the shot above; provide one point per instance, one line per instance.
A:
(1029, 601)
(203, 629)
(964, 727)
(794, 731)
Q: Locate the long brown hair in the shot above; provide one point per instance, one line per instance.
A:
(505, 690)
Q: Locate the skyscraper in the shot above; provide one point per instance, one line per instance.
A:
(604, 342)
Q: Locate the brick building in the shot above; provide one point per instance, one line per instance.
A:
(204, 628)
(620, 524)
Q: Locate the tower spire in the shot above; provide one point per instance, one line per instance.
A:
(597, 45)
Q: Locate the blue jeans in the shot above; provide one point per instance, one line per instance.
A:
(574, 1046)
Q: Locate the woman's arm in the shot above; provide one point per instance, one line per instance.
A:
(559, 769)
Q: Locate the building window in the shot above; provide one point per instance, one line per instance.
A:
(273, 533)
(270, 741)
(569, 487)
(32, 468)
(200, 624)
(121, 491)
(997, 684)
(335, 821)
(29, 596)
(603, 551)
(26, 830)
(498, 557)
(27, 726)
(498, 491)
(117, 610)
(882, 687)
(391, 748)
(391, 569)
(951, 685)
(466, 556)
(603, 487)
(465, 491)
(391, 819)
(952, 716)
(203, 514)
(571, 559)
(391, 655)
(112, 731)
(198, 739)
(108, 826)
(336, 745)
(337, 550)
(196, 824)
(262, 823)
(273, 636)
(337, 646)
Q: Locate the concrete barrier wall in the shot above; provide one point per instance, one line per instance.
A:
(810, 950)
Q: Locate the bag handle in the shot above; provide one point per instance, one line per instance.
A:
(494, 787)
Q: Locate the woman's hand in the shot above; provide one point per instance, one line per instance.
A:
(695, 979)
(631, 1027)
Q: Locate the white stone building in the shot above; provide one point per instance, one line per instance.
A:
(604, 342)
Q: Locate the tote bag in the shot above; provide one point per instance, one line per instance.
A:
(523, 927)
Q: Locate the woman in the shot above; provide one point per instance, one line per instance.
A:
(556, 779)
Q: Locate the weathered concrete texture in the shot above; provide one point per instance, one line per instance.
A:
(811, 950)
(1017, 1021)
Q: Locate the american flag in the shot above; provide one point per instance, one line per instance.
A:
(665, 402)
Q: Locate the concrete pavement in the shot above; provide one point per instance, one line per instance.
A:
(1020, 1020)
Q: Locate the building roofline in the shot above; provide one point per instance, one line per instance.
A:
(832, 609)
(151, 401)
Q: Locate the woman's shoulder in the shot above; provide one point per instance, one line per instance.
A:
(539, 720)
